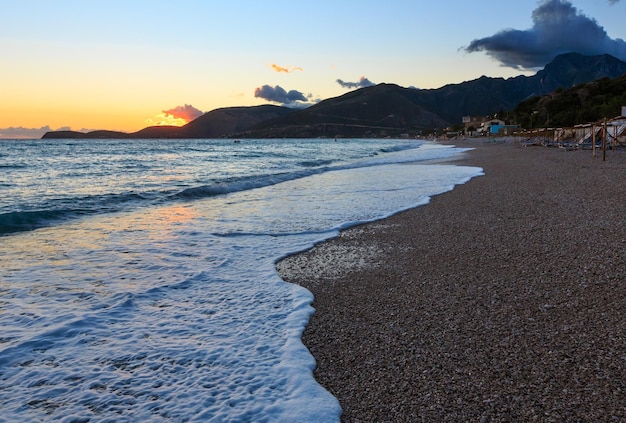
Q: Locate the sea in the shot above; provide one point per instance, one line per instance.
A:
(138, 279)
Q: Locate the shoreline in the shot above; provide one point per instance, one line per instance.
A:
(506, 305)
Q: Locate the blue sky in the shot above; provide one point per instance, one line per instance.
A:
(122, 64)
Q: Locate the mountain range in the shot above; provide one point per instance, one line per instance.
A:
(383, 109)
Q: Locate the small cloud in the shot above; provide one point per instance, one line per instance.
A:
(278, 94)
(362, 83)
(288, 69)
(187, 112)
(558, 28)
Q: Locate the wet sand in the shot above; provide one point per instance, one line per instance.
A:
(502, 300)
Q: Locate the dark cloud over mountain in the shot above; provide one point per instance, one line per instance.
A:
(558, 27)
(279, 95)
(361, 83)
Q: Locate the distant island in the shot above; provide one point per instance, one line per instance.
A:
(386, 109)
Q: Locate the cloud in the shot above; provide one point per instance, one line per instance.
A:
(362, 83)
(278, 94)
(25, 133)
(288, 69)
(558, 28)
(186, 112)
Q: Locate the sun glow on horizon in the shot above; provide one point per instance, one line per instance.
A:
(166, 119)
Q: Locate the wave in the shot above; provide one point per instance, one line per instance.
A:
(13, 166)
(316, 163)
(54, 211)
(244, 183)
(393, 149)
(57, 210)
(240, 184)
(21, 221)
(50, 212)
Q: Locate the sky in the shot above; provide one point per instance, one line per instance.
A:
(125, 65)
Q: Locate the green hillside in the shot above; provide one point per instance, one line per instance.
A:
(584, 103)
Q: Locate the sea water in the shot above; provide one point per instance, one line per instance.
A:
(138, 281)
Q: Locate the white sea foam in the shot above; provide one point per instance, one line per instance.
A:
(174, 311)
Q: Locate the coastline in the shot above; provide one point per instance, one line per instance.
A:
(501, 300)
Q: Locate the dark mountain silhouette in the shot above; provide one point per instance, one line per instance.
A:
(231, 120)
(484, 96)
(568, 70)
(384, 109)
(214, 124)
(158, 132)
(92, 134)
(380, 109)
(149, 132)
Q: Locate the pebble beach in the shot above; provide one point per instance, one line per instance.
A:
(501, 300)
